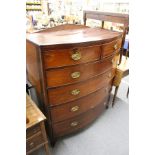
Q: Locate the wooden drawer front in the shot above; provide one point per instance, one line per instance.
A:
(68, 75)
(67, 57)
(72, 92)
(109, 48)
(34, 142)
(78, 122)
(72, 109)
(33, 130)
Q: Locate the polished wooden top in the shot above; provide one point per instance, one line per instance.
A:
(33, 114)
(71, 34)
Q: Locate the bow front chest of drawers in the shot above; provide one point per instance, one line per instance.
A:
(72, 68)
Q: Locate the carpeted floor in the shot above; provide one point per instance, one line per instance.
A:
(108, 135)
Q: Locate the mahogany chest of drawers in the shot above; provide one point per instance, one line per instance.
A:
(72, 68)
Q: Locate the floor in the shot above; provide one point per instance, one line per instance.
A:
(108, 135)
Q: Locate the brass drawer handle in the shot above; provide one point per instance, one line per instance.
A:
(74, 124)
(75, 75)
(31, 144)
(76, 108)
(76, 55)
(115, 46)
(75, 92)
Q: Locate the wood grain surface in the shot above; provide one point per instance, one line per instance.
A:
(72, 68)
(72, 36)
(64, 94)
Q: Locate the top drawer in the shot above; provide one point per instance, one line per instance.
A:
(67, 57)
(109, 48)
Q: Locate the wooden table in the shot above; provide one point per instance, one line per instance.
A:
(35, 129)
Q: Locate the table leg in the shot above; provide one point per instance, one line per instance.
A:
(47, 149)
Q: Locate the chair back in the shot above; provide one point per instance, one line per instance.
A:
(109, 17)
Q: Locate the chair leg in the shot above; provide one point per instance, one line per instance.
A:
(127, 93)
(120, 59)
(116, 90)
(107, 106)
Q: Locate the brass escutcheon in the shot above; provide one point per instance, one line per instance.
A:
(75, 75)
(74, 123)
(76, 55)
(75, 108)
(75, 92)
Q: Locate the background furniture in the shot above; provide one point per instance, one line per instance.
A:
(35, 129)
(122, 69)
(126, 46)
(72, 68)
(110, 17)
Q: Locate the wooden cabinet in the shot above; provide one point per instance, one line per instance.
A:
(72, 68)
(35, 129)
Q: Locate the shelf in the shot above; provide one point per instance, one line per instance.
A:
(28, 3)
(33, 9)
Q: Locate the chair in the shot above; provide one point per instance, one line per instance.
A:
(109, 17)
(122, 69)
